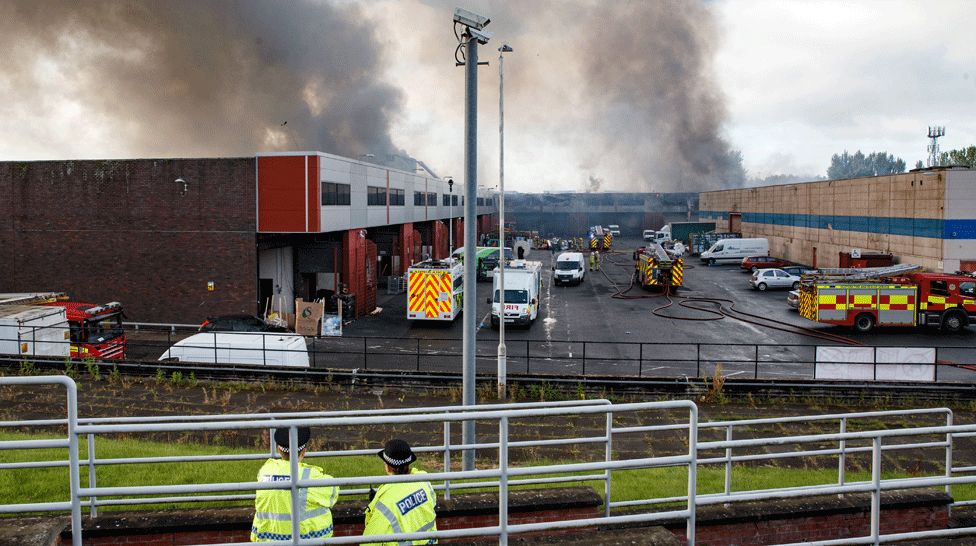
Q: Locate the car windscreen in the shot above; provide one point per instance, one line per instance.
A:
(567, 266)
(514, 296)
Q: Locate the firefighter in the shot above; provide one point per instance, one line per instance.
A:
(272, 507)
(405, 507)
(592, 260)
(596, 260)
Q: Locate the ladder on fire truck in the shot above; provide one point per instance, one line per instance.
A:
(859, 274)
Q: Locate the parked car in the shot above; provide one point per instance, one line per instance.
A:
(773, 278)
(649, 234)
(793, 299)
(614, 230)
(238, 323)
(798, 270)
(755, 263)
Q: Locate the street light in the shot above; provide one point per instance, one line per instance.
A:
(450, 215)
(502, 350)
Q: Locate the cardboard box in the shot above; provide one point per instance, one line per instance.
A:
(307, 317)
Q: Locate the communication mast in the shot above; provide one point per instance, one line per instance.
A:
(934, 133)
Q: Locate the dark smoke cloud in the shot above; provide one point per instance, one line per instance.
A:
(214, 77)
(593, 184)
(654, 101)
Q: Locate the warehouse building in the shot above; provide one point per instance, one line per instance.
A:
(177, 240)
(925, 217)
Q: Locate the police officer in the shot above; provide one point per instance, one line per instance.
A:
(406, 507)
(272, 507)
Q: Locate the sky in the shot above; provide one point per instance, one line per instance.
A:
(599, 95)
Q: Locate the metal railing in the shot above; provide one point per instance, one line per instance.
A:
(502, 476)
(575, 359)
(92, 462)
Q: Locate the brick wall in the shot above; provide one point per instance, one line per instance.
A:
(216, 525)
(817, 518)
(123, 230)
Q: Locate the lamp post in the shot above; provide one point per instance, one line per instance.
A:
(502, 350)
(450, 216)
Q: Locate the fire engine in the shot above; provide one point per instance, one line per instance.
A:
(600, 239)
(893, 296)
(435, 289)
(657, 269)
(96, 330)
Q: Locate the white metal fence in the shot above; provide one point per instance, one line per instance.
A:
(501, 475)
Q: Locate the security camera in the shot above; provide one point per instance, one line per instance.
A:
(470, 19)
(481, 35)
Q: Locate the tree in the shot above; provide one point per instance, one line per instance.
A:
(919, 164)
(963, 156)
(849, 165)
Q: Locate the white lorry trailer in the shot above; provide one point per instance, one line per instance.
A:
(523, 284)
(34, 330)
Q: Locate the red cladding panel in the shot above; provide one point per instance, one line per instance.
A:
(314, 194)
(281, 193)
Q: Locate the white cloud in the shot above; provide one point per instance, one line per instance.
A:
(810, 79)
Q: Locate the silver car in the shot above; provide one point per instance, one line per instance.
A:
(773, 278)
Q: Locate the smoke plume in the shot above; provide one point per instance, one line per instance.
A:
(593, 184)
(647, 68)
(190, 77)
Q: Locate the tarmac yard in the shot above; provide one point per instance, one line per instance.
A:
(623, 336)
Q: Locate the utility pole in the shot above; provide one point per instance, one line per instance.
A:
(473, 34)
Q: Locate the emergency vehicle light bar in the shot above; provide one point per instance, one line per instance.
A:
(98, 309)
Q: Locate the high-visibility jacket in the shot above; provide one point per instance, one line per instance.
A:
(272, 507)
(402, 508)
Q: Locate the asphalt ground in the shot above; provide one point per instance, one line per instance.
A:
(605, 326)
(624, 336)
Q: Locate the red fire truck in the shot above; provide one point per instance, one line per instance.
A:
(96, 330)
(897, 299)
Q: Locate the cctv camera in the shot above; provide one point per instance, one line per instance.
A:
(470, 19)
(481, 35)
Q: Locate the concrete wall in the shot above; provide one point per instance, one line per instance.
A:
(124, 230)
(903, 214)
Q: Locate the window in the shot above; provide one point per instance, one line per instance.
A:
(447, 200)
(396, 197)
(967, 289)
(454, 200)
(375, 195)
(481, 201)
(939, 288)
(418, 198)
(432, 199)
(335, 194)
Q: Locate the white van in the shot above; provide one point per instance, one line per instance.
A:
(570, 268)
(614, 230)
(733, 250)
(523, 284)
(260, 348)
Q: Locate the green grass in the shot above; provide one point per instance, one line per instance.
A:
(51, 484)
